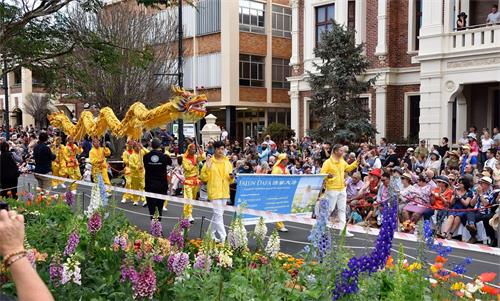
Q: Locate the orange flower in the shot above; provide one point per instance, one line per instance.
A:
(487, 277)
(438, 265)
(389, 264)
(28, 203)
(440, 259)
(490, 290)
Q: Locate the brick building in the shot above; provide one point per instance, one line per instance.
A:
(238, 52)
(433, 80)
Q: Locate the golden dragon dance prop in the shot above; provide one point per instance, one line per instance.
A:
(183, 105)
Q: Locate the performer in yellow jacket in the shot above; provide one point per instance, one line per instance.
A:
(97, 157)
(218, 174)
(70, 157)
(280, 168)
(129, 150)
(190, 165)
(137, 175)
(58, 165)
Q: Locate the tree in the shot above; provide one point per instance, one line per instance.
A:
(279, 132)
(38, 106)
(336, 88)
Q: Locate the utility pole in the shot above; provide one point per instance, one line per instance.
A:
(6, 91)
(180, 122)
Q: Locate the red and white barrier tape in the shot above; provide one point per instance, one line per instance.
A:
(284, 217)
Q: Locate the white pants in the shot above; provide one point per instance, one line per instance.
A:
(337, 199)
(217, 223)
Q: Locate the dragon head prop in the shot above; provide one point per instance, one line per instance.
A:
(190, 105)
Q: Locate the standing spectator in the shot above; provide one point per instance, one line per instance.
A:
(391, 159)
(443, 148)
(494, 15)
(462, 21)
(421, 150)
(463, 140)
(155, 166)
(264, 153)
(409, 158)
(43, 160)
(325, 152)
(86, 147)
(486, 144)
(224, 134)
(217, 172)
(383, 149)
(335, 169)
(490, 159)
(9, 172)
(467, 159)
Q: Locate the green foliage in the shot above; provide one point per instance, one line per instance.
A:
(336, 87)
(279, 132)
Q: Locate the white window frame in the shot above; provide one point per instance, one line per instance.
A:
(412, 23)
(249, 27)
(282, 32)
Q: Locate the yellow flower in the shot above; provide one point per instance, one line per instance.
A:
(434, 269)
(458, 286)
(415, 266)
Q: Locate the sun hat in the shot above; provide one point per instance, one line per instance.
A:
(407, 176)
(442, 179)
(487, 180)
(376, 172)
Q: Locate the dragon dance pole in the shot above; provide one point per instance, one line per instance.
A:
(180, 129)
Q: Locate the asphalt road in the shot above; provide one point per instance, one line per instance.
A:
(292, 242)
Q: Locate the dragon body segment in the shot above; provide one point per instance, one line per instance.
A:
(183, 105)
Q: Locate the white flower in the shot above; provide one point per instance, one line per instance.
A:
(224, 259)
(237, 235)
(472, 288)
(95, 201)
(273, 244)
(71, 271)
(432, 281)
(260, 230)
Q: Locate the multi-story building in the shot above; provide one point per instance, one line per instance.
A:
(238, 52)
(433, 80)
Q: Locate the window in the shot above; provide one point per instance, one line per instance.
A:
(251, 70)
(252, 16)
(17, 76)
(208, 16)
(351, 14)
(282, 21)
(281, 70)
(418, 22)
(414, 122)
(324, 19)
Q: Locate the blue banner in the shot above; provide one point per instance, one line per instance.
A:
(285, 194)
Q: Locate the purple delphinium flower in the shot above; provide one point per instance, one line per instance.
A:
(156, 228)
(73, 241)
(94, 224)
(145, 284)
(202, 262)
(158, 258)
(460, 268)
(176, 238)
(320, 238)
(430, 244)
(348, 282)
(178, 262)
(128, 272)
(55, 271)
(69, 197)
(184, 224)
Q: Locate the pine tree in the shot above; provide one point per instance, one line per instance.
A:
(336, 88)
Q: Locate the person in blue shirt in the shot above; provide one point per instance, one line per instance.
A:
(264, 153)
(482, 200)
(467, 158)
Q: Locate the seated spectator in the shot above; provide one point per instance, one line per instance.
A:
(493, 16)
(460, 200)
(296, 169)
(490, 161)
(434, 161)
(482, 199)
(368, 194)
(409, 158)
(453, 161)
(419, 200)
(374, 217)
(370, 161)
(353, 186)
(440, 201)
(404, 195)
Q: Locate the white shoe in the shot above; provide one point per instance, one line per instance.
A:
(123, 201)
(73, 192)
(348, 234)
(165, 209)
(135, 204)
(283, 229)
(191, 220)
(63, 186)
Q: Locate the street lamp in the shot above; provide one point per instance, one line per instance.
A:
(6, 91)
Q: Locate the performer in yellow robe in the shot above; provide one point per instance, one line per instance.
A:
(97, 157)
(70, 157)
(137, 175)
(129, 150)
(58, 165)
(280, 168)
(190, 164)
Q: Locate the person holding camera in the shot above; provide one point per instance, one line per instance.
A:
(29, 286)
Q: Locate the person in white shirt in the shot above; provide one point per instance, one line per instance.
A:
(486, 144)
(494, 16)
(224, 134)
(491, 160)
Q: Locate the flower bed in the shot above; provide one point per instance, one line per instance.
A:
(100, 256)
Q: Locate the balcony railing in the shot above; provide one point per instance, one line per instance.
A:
(475, 38)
